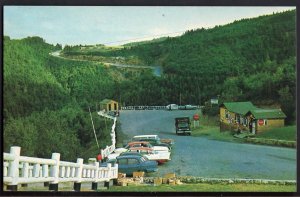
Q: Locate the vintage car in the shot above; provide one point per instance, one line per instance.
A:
(132, 163)
(172, 107)
(154, 140)
(160, 157)
(118, 151)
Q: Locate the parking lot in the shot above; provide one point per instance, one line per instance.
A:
(198, 156)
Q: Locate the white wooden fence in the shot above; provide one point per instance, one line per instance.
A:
(109, 149)
(23, 170)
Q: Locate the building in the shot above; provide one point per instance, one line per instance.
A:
(264, 119)
(109, 105)
(244, 116)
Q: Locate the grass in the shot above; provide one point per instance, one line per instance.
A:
(213, 132)
(197, 187)
(205, 187)
(284, 133)
(210, 129)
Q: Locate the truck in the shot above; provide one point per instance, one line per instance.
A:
(183, 125)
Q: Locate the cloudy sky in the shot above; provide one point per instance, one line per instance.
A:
(117, 25)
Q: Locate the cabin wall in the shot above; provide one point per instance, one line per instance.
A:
(270, 123)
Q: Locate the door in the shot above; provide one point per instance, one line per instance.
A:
(133, 165)
(109, 107)
(122, 165)
(115, 106)
(253, 127)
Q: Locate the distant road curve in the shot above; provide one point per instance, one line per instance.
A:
(57, 54)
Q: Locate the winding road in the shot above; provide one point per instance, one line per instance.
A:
(157, 70)
(199, 156)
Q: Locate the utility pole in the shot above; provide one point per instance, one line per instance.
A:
(180, 98)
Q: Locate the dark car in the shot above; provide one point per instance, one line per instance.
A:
(183, 125)
(132, 163)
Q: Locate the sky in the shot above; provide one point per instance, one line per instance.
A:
(116, 25)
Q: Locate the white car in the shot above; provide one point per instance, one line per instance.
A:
(172, 107)
(118, 151)
(160, 157)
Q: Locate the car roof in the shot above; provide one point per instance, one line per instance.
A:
(141, 148)
(138, 142)
(130, 153)
(129, 156)
(137, 136)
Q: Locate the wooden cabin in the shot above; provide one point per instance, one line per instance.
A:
(232, 115)
(109, 105)
(264, 119)
(244, 116)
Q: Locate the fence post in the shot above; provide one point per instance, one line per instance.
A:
(107, 183)
(45, 174)
(25, 171)
(95, 183)
(14, 168)
(54, 172)
(77, 184)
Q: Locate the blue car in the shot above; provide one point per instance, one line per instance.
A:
(133, 163)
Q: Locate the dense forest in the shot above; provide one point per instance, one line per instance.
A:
(47, 99)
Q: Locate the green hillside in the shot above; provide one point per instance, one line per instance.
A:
(46, 101)
(251, 59)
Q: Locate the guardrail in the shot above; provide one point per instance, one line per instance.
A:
(143, 108)
(23, 170)
(109, 149)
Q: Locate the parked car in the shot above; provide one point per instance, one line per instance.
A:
(182, 125)
(132, 153)
(170, 142)
(132, 163)
(172, 107)
(118, 151)
(160, 157)
(190, 107)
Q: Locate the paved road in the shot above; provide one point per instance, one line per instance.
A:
(157, 70)
(199, 156)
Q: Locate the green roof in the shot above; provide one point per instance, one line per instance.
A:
(239, 107)
(267, 113)
(105, 101)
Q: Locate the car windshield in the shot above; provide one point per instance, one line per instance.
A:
(183, 124)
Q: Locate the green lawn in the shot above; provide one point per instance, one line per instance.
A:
(204, 187)
(284, 133)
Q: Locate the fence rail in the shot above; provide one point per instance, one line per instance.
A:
(144, 108)
(23, 170)
(109, 149)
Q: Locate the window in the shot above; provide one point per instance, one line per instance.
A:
(245, 121)
(132, 161)
(226, 114)
(237, 118)
(122, 161)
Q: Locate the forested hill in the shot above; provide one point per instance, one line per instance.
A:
(46, 101)
(251, 59)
